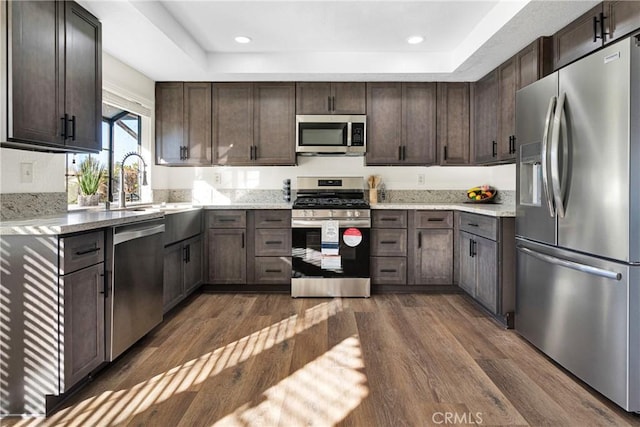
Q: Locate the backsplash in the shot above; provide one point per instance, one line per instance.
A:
(227, 196)
(31, 205)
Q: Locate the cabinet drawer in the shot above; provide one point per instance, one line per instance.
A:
(273, 242)
(389, 219)
(273, 218)
(480, 225)
(227, 219)
(272, 270)
(434, 219)
(389, 270)
(81, 251)
(388, 242)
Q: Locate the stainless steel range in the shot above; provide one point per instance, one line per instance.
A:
(331, 223)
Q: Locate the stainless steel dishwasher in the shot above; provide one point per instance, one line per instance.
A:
(134, 305)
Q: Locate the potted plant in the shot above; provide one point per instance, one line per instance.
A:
(90, 177)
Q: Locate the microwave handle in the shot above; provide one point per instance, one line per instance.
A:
(348, 134)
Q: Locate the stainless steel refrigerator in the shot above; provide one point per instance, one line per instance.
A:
(578, 219)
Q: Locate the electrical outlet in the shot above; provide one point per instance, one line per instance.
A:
(26, 173)
(421, 179)
(217, 178)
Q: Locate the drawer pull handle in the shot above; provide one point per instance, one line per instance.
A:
(273, 220)
(388, 219)
(388, 242)
(268, 270)
(471, 224)
(226, 219)
(435, 219)
(88, 251)
(388, 270)
(273, 242)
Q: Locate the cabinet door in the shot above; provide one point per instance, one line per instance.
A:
(169, 122)
(467, 279)
(83, 78)
(486, 254)
(173, 291)
(623, 17)
(227, 256)
(384, 123)
(348, 98)
(193, 271)
(274, 121)
(485, 119)
(232, 123)
(577, 39)
(83, 323)
(313, 98)
(508, 84)
(419, 123)
(453, 123)
(434, 257)
(197, 124)
(36, 107)
(534, 61)
(389, 270)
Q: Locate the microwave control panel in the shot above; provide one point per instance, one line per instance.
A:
(357, 134)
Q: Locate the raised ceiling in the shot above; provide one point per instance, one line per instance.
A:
(324, 40)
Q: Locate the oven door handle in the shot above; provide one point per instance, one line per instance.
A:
(317, 223)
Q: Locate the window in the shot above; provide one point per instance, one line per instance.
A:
(121, 134)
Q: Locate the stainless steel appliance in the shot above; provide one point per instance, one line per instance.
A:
(331, 134)
(336, 267)
(134, 305)
(578, 219)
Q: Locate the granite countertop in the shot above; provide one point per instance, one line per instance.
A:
(72, 222)
(489, 209)
(254, 205)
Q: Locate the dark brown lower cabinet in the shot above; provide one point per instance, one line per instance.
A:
(487, 262)
(227, 256)
(389, 247)
(182, 270)
(389, 270)
(84, 337)
(431, 242)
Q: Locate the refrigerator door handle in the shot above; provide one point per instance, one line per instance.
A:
(558, 182)
(545, 155)
(588, 269)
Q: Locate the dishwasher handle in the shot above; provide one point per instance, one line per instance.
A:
(124, 234)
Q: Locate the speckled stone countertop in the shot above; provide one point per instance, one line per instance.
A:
(497, 210)
(250, 206)
(73, 222)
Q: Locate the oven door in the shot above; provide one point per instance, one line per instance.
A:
(352, 260)
(345, 274)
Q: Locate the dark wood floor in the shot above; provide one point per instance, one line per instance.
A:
(391, 360)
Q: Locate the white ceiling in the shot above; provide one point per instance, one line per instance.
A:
(362, 40)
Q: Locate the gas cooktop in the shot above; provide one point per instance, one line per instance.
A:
(330, 193)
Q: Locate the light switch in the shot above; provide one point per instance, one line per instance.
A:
(26, 173)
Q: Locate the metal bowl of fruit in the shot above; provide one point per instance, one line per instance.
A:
(482, 194)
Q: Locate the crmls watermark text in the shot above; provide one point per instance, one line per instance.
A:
(469, 418)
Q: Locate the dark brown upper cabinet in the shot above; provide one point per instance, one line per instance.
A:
(55, 77)
(453, 123)
(254, 124)
(330, 98)
(485, 119)
(507, 86)
(183, 124)
(606, 22)
(401, 124)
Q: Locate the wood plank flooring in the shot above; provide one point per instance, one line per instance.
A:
(391, 360)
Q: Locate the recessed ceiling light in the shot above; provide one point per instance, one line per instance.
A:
(415, 39)
(243, 39)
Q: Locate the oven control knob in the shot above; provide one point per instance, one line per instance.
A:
(356, 213)
(349, 213)
(308, 213)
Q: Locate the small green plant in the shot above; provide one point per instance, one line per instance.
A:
(91, 175)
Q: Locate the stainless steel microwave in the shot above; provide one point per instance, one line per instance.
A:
(331, 134)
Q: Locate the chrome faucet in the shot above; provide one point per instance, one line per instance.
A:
(144, 176)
